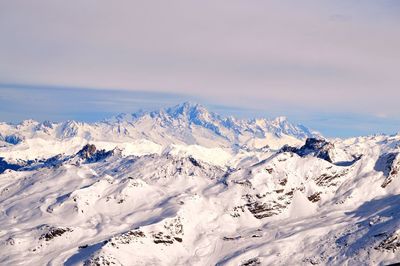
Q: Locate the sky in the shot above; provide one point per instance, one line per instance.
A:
(331, 65)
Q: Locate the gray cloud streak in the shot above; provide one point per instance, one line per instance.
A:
(336, 56)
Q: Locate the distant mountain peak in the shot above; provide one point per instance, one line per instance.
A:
(188, 109)
(280, 119)
(187, 122)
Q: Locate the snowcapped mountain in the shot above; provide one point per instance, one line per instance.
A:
(150, 132)
(184, 186)
(189, 115)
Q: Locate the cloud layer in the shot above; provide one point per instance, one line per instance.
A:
(326, 56)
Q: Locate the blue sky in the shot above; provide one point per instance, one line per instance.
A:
(331, 65)
(20, 102)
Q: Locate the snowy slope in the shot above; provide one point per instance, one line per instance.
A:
(182, 203)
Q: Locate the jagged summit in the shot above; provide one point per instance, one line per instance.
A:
(188, 109)
(280, 119)
(190, 113)
(185, 123)
(186, 114)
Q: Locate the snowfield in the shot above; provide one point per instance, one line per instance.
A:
(184, 186)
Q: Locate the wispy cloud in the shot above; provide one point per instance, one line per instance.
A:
(327, 56)
(19, 102)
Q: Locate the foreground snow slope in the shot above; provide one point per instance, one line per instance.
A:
(320, 202)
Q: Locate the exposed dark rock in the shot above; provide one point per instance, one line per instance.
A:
(175, 226)
(315, 197)
(4, 165)
(389, 164)
(128, 237)
(226, 238)
(251, 262)
(90, 154)
(54, 232)
(269, 170)
(290, 193)
(13, 139)
(287, 148)
(163, 241)
(263, 210)
(260, 196)
(245, 183)
(161, 238)
(194, 161)
(283, 181)
(319, 148)
(87, 151)
(391, 243)
(54, 161)
(237, 210)
(328, 179)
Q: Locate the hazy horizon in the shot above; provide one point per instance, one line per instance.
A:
(332, 66)
(93, 105)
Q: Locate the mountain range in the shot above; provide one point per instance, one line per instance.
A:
(185, 186)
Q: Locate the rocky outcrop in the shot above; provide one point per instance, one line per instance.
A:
(4, 165)
(319, 148)
(251, 262)
(315, 197)
(90, 154)
(87, 151)
(263, 210)
(54, 232)
(12, 139)
(391, 243)
(391, 167)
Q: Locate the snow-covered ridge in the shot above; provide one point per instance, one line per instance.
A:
(322, 203)
(150, 132)
(184, 186)
(183, 115)
(187, 114)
